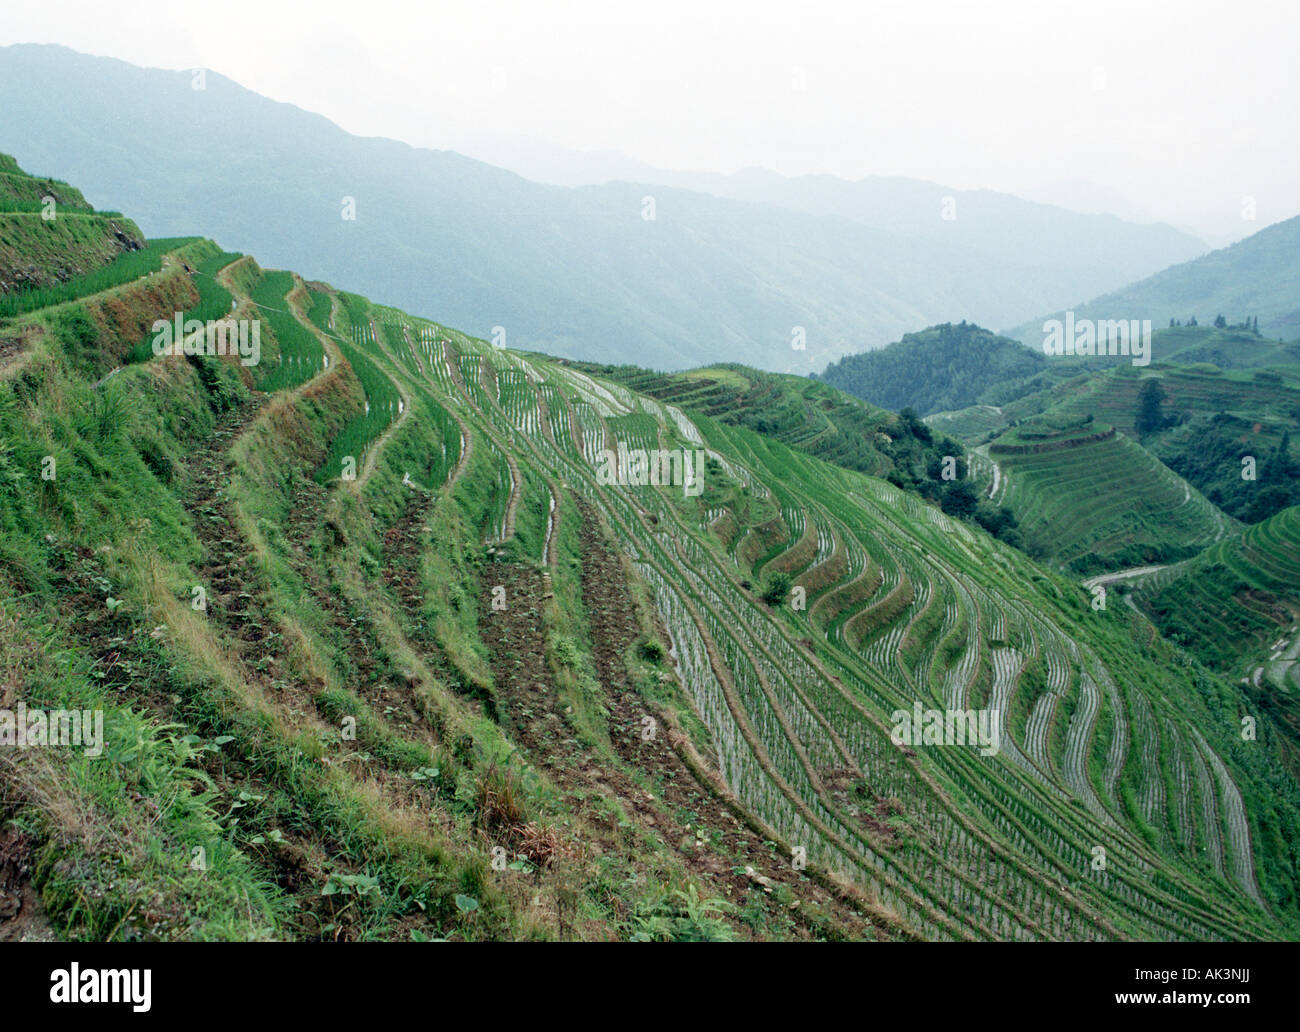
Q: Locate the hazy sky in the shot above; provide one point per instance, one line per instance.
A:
(1176, 109)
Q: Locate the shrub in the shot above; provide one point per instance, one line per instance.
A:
(778, 587)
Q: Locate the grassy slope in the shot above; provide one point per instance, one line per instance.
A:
(44, 245)
(1215, 418)
(177, 476)
(794, 410)
(1236, 606)
(1204, 369)
(366, 604)
(1099, 502)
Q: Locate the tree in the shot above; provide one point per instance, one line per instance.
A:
(1150, 414)
(911, 422)
(1278, 468)
(777, 589)
(960, 499)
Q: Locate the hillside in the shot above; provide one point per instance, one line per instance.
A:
(1202, 424)
(1200, 420)
(1090, 499)
(1251, 279)
(830, 424)
(1237, 607)
(941, 368)
(593, 272)
(1234, 598)
(384, 651)
(1004, 227)
(791, 409)
(1106, 386)
(53, 236)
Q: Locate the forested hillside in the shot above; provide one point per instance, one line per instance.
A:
(940, 368)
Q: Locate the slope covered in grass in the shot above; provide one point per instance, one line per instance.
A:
(1203, 422)
(796, 411)
(49, 236)
(478, 691)
(1237, 599)
(1089, 499)
(1236, 606)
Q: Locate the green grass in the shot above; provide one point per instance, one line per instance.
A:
(382, 403)
(331, 605)
(298, 355)
(1091, 500)
(1234, 599)
(128, 266)
(1212, 416)
(214, 300)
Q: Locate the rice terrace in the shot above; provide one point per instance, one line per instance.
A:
(326, 615)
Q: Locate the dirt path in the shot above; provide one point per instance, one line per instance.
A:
(22, 914)
(1107, 579)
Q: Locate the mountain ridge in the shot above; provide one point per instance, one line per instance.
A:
(1248, 279)
(580, 273)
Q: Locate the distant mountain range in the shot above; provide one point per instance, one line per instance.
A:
(728, 268)
(1253, 278)
(1100, 246)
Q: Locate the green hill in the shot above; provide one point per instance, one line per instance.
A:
(53, 241)
(941, 368)
(1090, 499)
(1237, 607)
(1252, 279)
(384, 651)
(1187, 356)
(1235, 598)
(830, 424)
(1203, 421)
(973, 425)
(796, 411)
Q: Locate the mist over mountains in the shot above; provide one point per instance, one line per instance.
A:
(1251, 279)
(579, 272)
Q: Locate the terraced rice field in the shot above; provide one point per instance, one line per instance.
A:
(1236, 603)
(798, 707)
(298, 355)
(907, 616)
(1104, 501)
